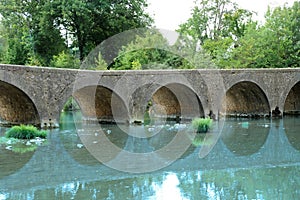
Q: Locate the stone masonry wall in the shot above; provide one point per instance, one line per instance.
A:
(42, 92)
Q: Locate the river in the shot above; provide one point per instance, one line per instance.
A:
(240, 159)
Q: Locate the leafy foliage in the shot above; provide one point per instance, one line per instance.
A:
(218, 34)
(202, 125)
(214, 19)
(152, 50)
(273, 45)
(65, 60)
(32, 32)
(233, 40)
(25, 132)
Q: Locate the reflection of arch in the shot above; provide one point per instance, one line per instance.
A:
(79, 154)
(16, 107)
(292, 102)
(245, 98)
(98, 102)
(72, 142)
(292, 127)
(12, 162)
(245, 137)
(174, 100)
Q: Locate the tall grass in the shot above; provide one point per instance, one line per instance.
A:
(25, 132)
(202, 125)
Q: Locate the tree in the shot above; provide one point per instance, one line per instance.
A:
(217, 25)
(275, 44)
(284, 23)
(91, 22)
(213, 19)
(192, 52)
(151, 50)
(30, 31)
(38, 30)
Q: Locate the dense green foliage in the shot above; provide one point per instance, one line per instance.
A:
(151, 50)
(233, 40)
(219, 34)
(33, 32)
(25, 132)
(274, 44)
(202, 125)
(65, 60)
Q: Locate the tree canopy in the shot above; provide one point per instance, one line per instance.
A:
(32, 32)
(61, 33)
(233, 40)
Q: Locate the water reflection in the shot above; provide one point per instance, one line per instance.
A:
(292, 127)
(253, 160)
(260, 183)
(245, 137)
(11, 161)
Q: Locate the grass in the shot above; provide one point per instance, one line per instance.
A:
(202, 125)
(25, 132)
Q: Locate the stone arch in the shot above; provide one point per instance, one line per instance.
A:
(176, 100)
(73, 105)
(72, 115)
(292, 101)
(245, 98)
(16, 107)
(102, 104)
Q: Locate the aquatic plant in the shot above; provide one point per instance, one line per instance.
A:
(25, 132)
(202, 125)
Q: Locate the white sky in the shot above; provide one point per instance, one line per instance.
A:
(168, 14)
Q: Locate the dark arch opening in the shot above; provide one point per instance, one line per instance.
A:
(101, 104)
(292, 102)
(16, 107)
(245, 99)
(175, 101)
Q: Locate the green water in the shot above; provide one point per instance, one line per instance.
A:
(252, 159)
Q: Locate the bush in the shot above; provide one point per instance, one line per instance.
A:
(65, 60)
(25, 132)
(202, 125)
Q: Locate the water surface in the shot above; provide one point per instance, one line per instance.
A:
(252, 159)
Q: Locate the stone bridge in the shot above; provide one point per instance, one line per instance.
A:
(37, 95)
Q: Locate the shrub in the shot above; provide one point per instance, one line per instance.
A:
(202, 125)
(25, 132)
(65, 60)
